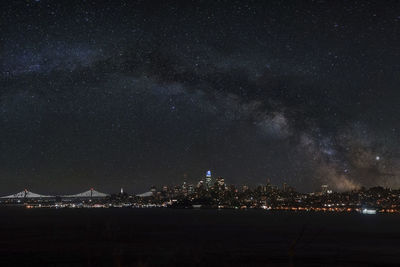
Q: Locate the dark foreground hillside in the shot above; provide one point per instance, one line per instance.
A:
(152, 237)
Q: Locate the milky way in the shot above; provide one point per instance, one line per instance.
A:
(133, 94)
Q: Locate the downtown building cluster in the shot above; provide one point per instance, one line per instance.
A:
(217, 194)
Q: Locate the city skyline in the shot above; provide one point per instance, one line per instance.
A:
(208, 182)
(215, 193)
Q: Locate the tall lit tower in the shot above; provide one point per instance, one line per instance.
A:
(208, 179)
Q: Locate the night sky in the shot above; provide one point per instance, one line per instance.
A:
(139, 93)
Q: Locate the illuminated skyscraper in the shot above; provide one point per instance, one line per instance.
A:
(190, 189)
(200, 183)
(184, 188)
(221, 182)
(208, 179)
